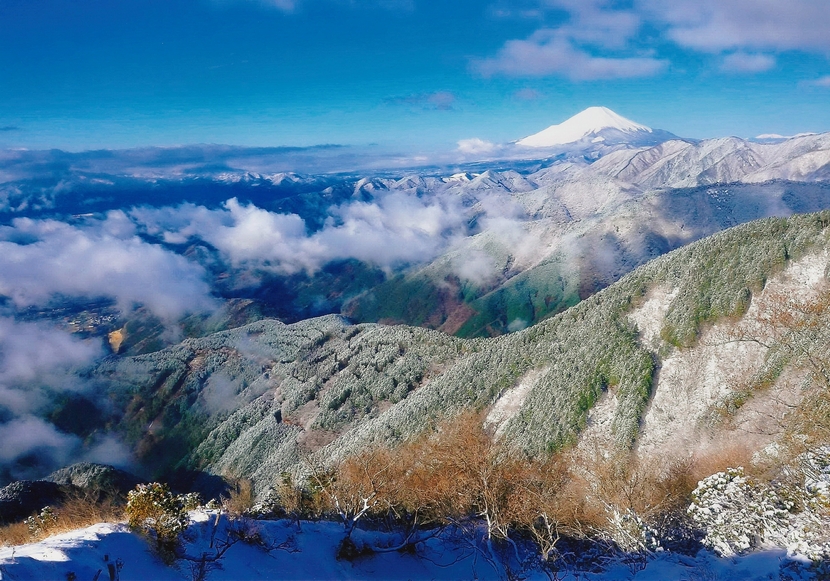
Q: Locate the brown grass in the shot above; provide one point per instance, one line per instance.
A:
(728, 455)
(240, 498)
(454, 473)
(78, 511)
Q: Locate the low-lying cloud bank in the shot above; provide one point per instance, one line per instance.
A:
(392, 231)
(135, 257)
(37, 356)
(41, 260)
(47, 262)
(44, 263)
(38, 365)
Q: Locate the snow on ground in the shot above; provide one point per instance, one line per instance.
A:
(650, 315)
(84, 552)
(287, 550)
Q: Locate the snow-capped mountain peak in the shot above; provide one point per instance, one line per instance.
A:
(589, 123)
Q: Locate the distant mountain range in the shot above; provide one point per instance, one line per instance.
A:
(592, 198)
(591, 222)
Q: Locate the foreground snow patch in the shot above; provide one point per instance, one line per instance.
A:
(286, 550)
(85, 552)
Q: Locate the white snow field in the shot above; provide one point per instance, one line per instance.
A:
(285, 550)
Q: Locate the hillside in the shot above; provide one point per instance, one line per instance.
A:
(250, 402)
(582, 235)
(578, 224)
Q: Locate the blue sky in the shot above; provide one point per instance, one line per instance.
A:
(407, 74)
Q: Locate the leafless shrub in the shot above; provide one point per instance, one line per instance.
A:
(240, 498)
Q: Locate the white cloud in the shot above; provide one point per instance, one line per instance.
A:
(476, 146)
(37, 363)
(552, 52)
(742, 62)
(29, 435)
(110, 450)
(32, 448)
(32, 352)
(717, 25)
(41, 259)
(477, 267)
(397, 228)
(600, 39)
(253, 234)
(821, 81)
(599, 23)
(595, 42)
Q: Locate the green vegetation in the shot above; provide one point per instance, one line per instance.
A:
(529, 297)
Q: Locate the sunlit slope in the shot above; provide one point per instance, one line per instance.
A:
(255, 400)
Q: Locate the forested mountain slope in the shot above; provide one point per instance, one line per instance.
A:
(253, 401)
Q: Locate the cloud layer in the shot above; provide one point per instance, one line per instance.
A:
(45, 262)
(44, 259)
(37, 364)
(396, 229)
(549, 52)
(603, 39)
(476, 146)
(716, 25)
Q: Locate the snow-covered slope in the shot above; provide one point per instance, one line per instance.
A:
(681, 164)
(589, 123)
(291, 551)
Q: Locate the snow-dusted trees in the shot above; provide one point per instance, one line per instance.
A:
(736, 512)
(158, 513)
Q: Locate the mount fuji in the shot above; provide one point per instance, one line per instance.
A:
(596, 126)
